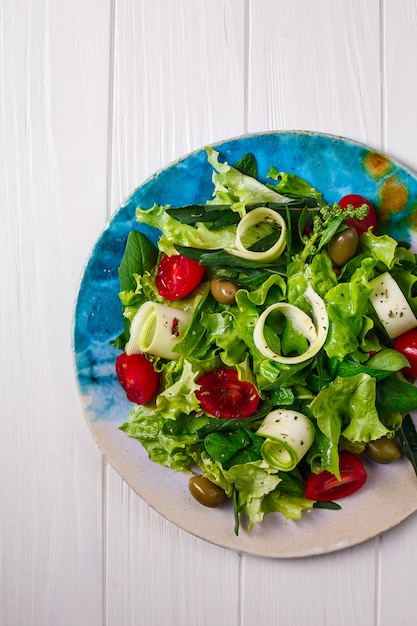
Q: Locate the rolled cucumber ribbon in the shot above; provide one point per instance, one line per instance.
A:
(314, 330)
(156, 329)
(289, 435)
(255, 218)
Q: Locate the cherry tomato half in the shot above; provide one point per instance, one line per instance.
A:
(137, 377)
(223, 395)
(361, 226)
(325, 487)
(178, 276)
(407, 345)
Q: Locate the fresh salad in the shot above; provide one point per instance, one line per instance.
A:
(269, 342)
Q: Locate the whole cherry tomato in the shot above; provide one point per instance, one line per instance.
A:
(137, 376)
(177, 276)
(407, 345)
(223, 395)
(361, 226)
(325, 487)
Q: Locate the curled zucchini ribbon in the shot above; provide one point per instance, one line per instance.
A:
(314, 330)
(156, 329)
(391, 306)
(255, 218)
(289, 436)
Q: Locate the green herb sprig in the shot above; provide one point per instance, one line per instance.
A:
(326, 222)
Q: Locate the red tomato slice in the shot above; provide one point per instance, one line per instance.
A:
(178, 276)
(223, 395)
(361, 226)
(407, 345)
(325, 487)
(137, 377)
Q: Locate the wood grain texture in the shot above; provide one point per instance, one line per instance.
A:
(171, 576)
(96, 95)
(179, 83)
(399, 547)
(400, 80)
(315, 66)
(328, 589)
(53, 170)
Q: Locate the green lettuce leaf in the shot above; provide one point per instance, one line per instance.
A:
(346, 408)
(174, 232)
(293, 185)
(347, 306)
(177, 401)
(237, 189)
(380, 247)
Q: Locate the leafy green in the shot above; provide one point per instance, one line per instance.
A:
(247, 165)
(217, 216)
(394, 394)
(139, 257)
(176, 233)
(293, 185)
(350, 397)
(347, 307)
(233, 447)
(380, 366)
(233, 187)
(346, 408)
(408, 440)
(382, 248)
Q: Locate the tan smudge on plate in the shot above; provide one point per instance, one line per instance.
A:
(377, 165)
(393, 198)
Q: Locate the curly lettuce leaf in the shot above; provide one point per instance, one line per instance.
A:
(233, 187)
(176, 233)
(177, 401)
(346, 408)
(288, 498)
(382, 248)
(347, 305)
(293, 185)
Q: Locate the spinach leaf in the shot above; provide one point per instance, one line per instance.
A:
(393, 394)
(408, 440)
(221, 259)
(351, 368)
(247, 165)
(218, 215)
(327, 505)
(140, 256)
(233, 447)
(330, 230)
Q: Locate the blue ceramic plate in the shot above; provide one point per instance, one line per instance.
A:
(334, 165)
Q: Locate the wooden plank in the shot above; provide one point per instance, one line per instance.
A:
(159, 574)
(400, 89)
(53, 117)
(178, 85)
(315, 66)
(329, 589)
(399, 546)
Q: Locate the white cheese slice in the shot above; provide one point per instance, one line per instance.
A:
(391, 306)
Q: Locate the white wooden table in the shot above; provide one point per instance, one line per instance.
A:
(95, 96)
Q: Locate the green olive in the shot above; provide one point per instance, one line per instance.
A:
(342, 247)
(206, 492)
(223, 290)
(382, 450)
